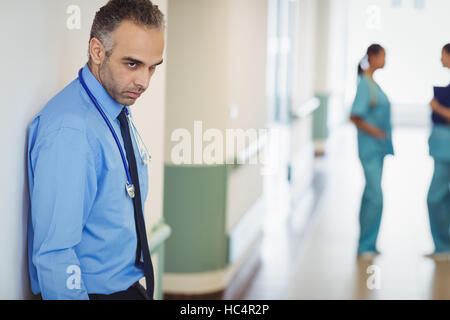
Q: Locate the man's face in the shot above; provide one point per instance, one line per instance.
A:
(445, 59)
(137, 51)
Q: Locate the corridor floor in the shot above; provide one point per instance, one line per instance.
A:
(323, 264)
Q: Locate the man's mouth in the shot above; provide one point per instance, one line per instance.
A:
(133, 95)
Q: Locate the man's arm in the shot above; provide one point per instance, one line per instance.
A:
(64, 188)
(367, 127)
(440, 109)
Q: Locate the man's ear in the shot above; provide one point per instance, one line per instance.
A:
(97, 51)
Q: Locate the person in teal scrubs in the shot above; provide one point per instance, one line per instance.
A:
(439, 192)
(371, 113)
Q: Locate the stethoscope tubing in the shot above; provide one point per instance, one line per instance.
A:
(100, 110)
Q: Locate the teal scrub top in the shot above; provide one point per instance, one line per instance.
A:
(372, 105)
(439, 142)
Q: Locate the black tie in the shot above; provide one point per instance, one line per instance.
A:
(138, 214)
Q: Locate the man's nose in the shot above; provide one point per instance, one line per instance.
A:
(142, 80)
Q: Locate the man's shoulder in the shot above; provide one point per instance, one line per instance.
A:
(67, 109)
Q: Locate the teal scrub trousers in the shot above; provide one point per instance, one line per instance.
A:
(371, 204)
(439, 206)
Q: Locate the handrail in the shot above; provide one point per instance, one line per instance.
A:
(245, 155)
(305, 109)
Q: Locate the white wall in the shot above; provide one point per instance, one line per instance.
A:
(220, 46)
(304, 85)
(331, 56)
(337, 112)
(197, 50)
(305, 77)
(247, 91)
(39, 58)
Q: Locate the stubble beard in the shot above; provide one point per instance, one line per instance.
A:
(110, 85)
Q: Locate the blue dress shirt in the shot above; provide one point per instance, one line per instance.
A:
(81, 217)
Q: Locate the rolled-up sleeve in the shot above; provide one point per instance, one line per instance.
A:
(64, 188)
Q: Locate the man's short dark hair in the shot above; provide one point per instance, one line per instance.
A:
(108, 18)
(447, 48)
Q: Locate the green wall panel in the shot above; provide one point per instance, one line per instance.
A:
(195, 208)
(320, 118)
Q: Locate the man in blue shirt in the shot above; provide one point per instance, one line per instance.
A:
(83, 236)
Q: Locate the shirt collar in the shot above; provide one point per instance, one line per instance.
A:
(110, 106)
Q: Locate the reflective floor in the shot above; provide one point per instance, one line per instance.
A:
(311, 255)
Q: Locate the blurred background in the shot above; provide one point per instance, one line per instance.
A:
(240, 231)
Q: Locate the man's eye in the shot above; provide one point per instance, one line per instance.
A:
(132, 65)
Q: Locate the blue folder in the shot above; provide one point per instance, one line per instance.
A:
(442, 95)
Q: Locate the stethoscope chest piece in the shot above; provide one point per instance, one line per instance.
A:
(130, 190)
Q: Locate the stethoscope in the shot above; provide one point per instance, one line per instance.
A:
(143, 151)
